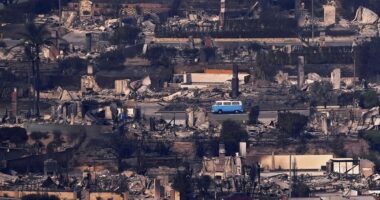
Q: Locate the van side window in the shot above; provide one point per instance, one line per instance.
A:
(218, 103)
(235, 103)
(227, 103)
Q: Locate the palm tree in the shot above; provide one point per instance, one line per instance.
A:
(34, 38)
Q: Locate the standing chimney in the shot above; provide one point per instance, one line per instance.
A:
(90, 69)
(222, 150)
(222, 11)
(301, 71)
(88, 42)
(235, 81)
(14, 103)
(243, 149)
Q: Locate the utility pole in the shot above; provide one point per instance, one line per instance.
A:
(290, 176)
(60, 12)
(312, 20)
(354, 45)
(354, 67)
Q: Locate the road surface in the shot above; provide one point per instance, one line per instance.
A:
(265, 116)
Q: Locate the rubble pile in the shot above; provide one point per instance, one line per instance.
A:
(345, 121)
(136, 185)
(367, 21)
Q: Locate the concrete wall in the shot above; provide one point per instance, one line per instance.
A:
(303, 162)
(65, 195)
(329, 15)
(106, 196)
(214, 78)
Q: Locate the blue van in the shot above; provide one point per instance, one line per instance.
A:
(227, 107)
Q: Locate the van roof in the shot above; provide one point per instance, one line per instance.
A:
(227, 101)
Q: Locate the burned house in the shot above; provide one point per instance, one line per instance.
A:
(88, 9)
(174, 114)
(223, 166)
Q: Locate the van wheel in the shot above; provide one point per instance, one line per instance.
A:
(237, 112)
(220, 111)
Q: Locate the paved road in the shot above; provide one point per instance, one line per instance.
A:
(223, 117)
(329, 41)
(265, 116)
(270, 115)
(149, 109)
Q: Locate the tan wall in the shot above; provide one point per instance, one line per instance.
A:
(18, 194)
(175, 195)
(213, 78)
(303, 162)
(106, 196)
(65, 195)
(329, 15)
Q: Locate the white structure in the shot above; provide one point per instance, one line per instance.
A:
(301, 71)
(335, 78)
(108, 112)
(243, 149)
(283, 162)
(122, 87)
(347, 166)
(212, 79)
(329, 15)
(90, 69)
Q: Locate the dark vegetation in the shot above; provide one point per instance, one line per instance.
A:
(232, 133)
(267, 64)
(366, 99)
(254, 115)
(39, 135)
(209, 148)
(367, 57)
(183, 183)
(321, 93)
(203, 184)
(16, 135)
(18, 12)
(373, 138)
(160, 55)
(72, 66)
(337, 146)
(291, 124)
(114, 60)
(125, 35)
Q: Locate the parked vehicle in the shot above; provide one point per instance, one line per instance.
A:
(227, 107)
